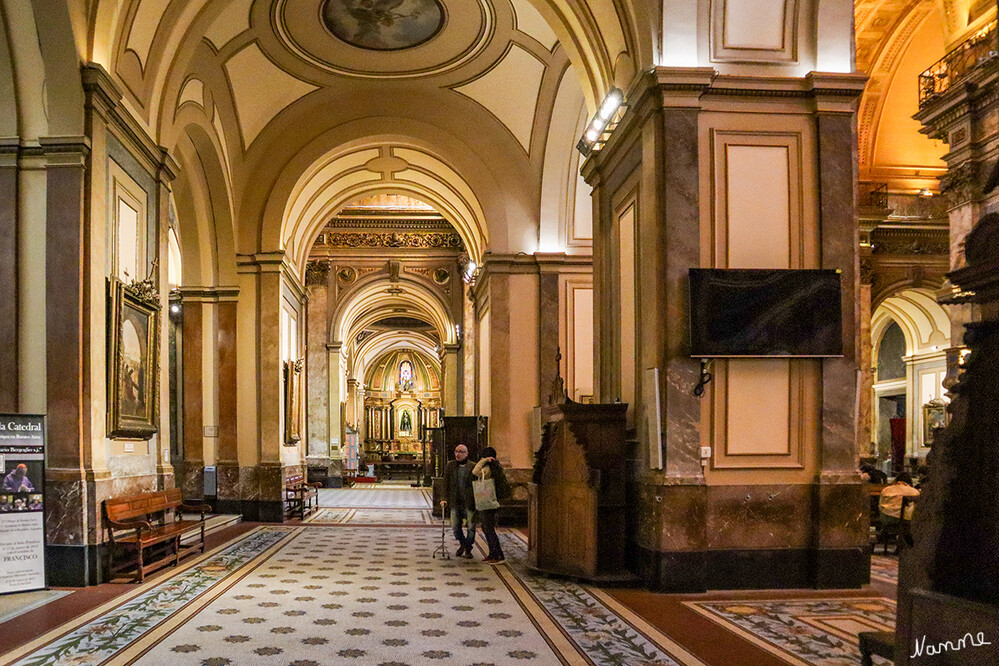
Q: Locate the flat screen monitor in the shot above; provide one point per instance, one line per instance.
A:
(765, 312)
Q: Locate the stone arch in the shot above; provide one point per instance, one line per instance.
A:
(378, 169)
(204, 209)
(369, 302)
(47, 88)
(923, 321)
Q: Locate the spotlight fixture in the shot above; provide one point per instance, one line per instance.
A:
(602, 124)
(175, 308)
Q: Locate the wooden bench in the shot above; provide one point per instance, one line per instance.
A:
(138, 524)
(299, 495)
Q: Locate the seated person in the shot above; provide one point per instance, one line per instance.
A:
(890, 504)
(872, 474)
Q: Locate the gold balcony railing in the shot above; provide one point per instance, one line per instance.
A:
(980, 48)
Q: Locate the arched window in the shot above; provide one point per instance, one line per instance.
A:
(405, 372)
(890, 353)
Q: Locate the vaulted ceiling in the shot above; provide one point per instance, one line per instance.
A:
(261, 100)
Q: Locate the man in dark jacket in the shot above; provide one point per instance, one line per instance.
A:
(458, 495)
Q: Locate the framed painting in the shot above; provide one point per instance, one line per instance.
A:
(133, 360)
(934, 418)
(292, 402)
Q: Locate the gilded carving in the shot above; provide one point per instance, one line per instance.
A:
(346, 274)
(316, 273)
(349, 239)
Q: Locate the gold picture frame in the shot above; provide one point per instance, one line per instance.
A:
(934, 417)
(133, 359)
(292, 402)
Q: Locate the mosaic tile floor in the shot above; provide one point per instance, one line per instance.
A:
(803, 631)
(374, 498)
(315, 595)
(885, 568)
(371, 517)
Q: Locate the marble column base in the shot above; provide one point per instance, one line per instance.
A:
(226, 488)
(190, 478)
(692, 538)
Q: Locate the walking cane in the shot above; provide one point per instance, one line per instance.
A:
(442, 549)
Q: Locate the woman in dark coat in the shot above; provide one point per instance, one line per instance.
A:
(489, 468)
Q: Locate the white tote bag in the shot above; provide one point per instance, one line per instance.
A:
(485, 494)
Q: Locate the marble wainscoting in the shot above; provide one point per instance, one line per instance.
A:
(667, 549)
(693, 538)
(69, 560)
(261, 489)
(227, 486)
(190, 478)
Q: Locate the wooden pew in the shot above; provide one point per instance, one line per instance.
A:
(137, 525)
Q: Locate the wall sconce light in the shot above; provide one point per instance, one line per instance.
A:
(602, 124)
(470, 273)
(925, 192)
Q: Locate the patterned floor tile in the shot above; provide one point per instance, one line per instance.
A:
(374, 498)
(804, 631)
(360, 595)
(371, 517)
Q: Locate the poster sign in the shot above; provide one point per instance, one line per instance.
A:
(22, 500)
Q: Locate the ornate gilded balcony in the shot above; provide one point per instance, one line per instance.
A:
(979, 49)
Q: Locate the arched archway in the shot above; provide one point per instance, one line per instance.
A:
(910, 333)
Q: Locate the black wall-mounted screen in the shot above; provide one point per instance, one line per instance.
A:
(765, 312)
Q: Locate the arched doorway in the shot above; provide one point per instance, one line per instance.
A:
(910, 333)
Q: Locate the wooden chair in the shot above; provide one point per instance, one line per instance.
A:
(137, 525)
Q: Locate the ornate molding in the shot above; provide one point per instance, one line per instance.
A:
(433, 240)
(317, 273)
(961, 184)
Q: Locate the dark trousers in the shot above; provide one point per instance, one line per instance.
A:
(488, 518)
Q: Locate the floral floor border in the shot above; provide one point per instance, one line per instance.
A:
(314, 595)
(804, 631)
(100, 638)
(371, 517)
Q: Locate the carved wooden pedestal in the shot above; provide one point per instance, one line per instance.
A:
(576, 509)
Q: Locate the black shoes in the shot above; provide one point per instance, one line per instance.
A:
(461, 552)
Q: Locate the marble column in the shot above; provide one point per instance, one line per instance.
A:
(865, 423)
(8, 275)
(334, 412)
(548, 337)
(227, 462)
(469, 346)
(660, 144)
(165, 174)
(191, 470)
(260, 370)
(318, 368)
(70, 559)
(452, 379)
(841, 513)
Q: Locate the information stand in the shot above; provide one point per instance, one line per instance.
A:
(22, 501)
